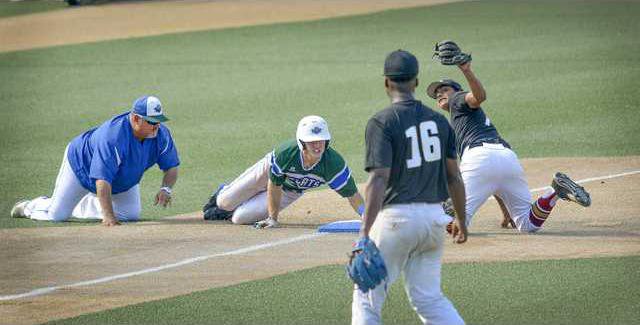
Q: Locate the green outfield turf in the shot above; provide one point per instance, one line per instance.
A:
(562, 80)
(581, 291)
(15, 8)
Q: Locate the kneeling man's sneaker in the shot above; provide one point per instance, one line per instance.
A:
(569, 190)
(18, 209)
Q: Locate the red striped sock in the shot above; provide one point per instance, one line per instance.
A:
(541, 208)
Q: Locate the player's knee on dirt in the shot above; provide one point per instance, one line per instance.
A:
(242, 216)
(131, 215)
(223, 203)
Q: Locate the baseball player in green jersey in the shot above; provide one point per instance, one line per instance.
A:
(281, 177)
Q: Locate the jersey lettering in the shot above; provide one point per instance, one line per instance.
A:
(305, 182)
(430, 144)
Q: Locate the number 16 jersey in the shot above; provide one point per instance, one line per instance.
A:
(414, 142)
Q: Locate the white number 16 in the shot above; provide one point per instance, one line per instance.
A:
(430, 144)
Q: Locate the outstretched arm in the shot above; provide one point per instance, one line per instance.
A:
(103, 192)
(274, 195)
(507, 222)
(477, 95)
(374, 192)
(458, 196)
(357, 203)
(163, 197)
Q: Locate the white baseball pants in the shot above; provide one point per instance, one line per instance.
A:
(247, 194)
(493, 169)
(70, 199)
(410, 238)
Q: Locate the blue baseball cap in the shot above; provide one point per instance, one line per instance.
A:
(149, 108)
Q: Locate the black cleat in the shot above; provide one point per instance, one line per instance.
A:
(211, 210)
(570, 191)
(215, 213)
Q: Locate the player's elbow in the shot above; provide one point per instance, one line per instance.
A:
(481, 97)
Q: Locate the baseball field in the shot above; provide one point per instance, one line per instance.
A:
(235, 76)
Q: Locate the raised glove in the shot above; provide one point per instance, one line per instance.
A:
(267, 223)
(366, 267)
(449, 53)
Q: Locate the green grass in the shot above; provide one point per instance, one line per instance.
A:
(580, 291)
(561, 81)
(11, 8)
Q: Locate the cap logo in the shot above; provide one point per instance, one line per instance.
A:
(154, 107)
(316, 130)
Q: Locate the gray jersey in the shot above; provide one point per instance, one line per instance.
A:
(472, 126)
(414, 141)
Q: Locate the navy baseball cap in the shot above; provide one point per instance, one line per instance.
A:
(149, 108)
(401, 65)
(433, 87)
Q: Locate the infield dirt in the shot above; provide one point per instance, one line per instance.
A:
(44, 257)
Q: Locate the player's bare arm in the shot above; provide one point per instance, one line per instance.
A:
(477, 95)
(507, 221)
(356, 202)
(374, 192)
(458, 196)
(163, 197)
(103, 192)
(274, 196)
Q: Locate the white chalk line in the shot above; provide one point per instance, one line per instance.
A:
(592, 179)
(47, 290)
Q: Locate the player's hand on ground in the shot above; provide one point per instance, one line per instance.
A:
(267, 223)
(458, 232)
(110, 221)
(163, 198)
(507, 223)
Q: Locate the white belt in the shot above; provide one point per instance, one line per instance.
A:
(493, 145)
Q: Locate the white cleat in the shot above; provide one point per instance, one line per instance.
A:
(18, 209)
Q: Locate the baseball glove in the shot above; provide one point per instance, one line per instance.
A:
(449, 53)
(366, 267)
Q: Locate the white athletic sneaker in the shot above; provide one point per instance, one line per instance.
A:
(18, 209)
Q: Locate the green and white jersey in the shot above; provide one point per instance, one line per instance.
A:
(287, 170)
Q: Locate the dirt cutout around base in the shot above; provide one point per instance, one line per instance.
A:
(46, 257)
(145, 18)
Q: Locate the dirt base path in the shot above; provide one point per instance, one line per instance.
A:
(136, 19)
(49, 257)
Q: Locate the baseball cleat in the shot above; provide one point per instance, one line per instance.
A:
(212, 200)
(569, 190)
(18, 209)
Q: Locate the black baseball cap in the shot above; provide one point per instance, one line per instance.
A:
(433, 87)
(401, 65)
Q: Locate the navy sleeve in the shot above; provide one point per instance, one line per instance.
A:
(379, 148)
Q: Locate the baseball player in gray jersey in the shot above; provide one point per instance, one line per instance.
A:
(412, 165)
(489, 166)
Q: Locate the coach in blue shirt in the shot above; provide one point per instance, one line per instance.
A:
(102, 167)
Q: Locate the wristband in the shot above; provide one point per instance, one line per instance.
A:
(166, 189)
(361, 209)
